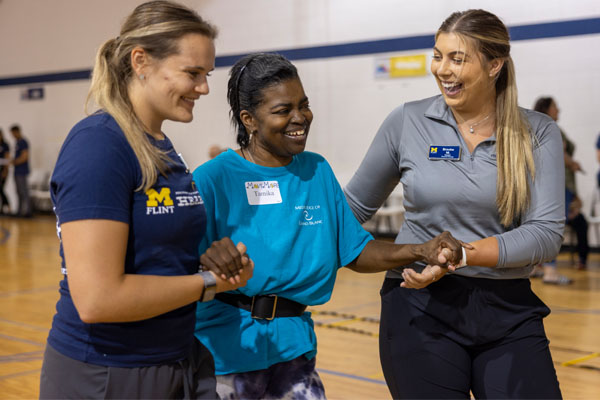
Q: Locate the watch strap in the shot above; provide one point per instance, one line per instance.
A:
(210, 286)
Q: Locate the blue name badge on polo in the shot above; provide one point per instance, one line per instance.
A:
(451, 153)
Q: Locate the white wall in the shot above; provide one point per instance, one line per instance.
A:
(41, 36)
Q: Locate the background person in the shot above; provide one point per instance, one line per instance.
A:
(499, 185)
(130, 221)
(215, 150)
(21, 171)
(573, 204)
(287, 207)
(4, 163)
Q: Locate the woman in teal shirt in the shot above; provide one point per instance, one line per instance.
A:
(292, 215)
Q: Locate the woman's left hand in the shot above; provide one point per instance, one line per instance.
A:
(416, 280)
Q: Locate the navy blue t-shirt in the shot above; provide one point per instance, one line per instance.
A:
(96, 177)
(21, 169)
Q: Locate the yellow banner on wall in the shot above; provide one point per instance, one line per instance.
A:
(401, 66)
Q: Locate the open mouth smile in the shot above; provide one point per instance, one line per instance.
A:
(296, 134)
(451, 88)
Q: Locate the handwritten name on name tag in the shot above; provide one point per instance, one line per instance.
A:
(263, 192)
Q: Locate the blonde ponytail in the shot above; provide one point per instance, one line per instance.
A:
(514, 148)
(111, 95)
(155, 26)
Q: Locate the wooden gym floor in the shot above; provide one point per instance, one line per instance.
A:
(347, 326)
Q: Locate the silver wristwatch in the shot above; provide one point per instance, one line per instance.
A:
(210, 286)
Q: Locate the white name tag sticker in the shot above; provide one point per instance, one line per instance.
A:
(263, 192)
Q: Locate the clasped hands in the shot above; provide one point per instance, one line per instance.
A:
(229, 263)
(441, 253)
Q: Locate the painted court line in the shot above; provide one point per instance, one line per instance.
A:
(580, 359)
(22, 357)
(350, 376)
(23, 325)
(33, 371)
(21, 340)
(30, 291)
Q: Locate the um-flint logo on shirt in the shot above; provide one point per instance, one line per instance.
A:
(159, 202)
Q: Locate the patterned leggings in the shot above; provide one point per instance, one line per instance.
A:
(296, 379)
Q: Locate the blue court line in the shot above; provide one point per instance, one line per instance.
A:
(23, 325)
(518, 32)
(16, 375)
(350, 376)
(22, 357)
(21, 340)
(558, 309)
(5, 235)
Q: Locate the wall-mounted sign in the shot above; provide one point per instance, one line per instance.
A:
(32, 94)
(401, 66)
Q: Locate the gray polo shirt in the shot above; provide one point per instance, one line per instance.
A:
(460, 195)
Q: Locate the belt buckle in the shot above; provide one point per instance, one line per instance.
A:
(272, 312)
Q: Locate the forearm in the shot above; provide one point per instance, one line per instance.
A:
(136, 297)
(484, 253)
(20, 160)
(378, 256)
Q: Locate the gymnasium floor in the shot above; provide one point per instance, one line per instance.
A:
(347, 326)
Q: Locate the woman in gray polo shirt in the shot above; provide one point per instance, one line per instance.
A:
(474, 163)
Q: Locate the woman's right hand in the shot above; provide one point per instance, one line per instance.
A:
(228, 262)
(443, 250)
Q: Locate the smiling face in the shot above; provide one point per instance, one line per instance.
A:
(171, 86)
(279, 124)
(466, 82)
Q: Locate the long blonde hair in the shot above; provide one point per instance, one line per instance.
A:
(155, 26)
(514, 140)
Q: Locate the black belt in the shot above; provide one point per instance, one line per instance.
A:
(265, 306)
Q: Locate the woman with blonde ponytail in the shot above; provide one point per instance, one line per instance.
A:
(471, 162)
(130, 220)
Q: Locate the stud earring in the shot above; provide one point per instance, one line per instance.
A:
(142, 77)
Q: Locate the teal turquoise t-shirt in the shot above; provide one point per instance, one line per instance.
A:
(298, 230)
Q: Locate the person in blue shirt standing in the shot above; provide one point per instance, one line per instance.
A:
(4, 161)
(130, 220)
(21, 171)
(286, 205)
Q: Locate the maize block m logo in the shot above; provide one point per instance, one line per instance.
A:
(155, 197)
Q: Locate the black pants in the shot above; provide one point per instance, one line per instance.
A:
(580, 226)
(465, 334)
(65, 378)
(3, 198)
